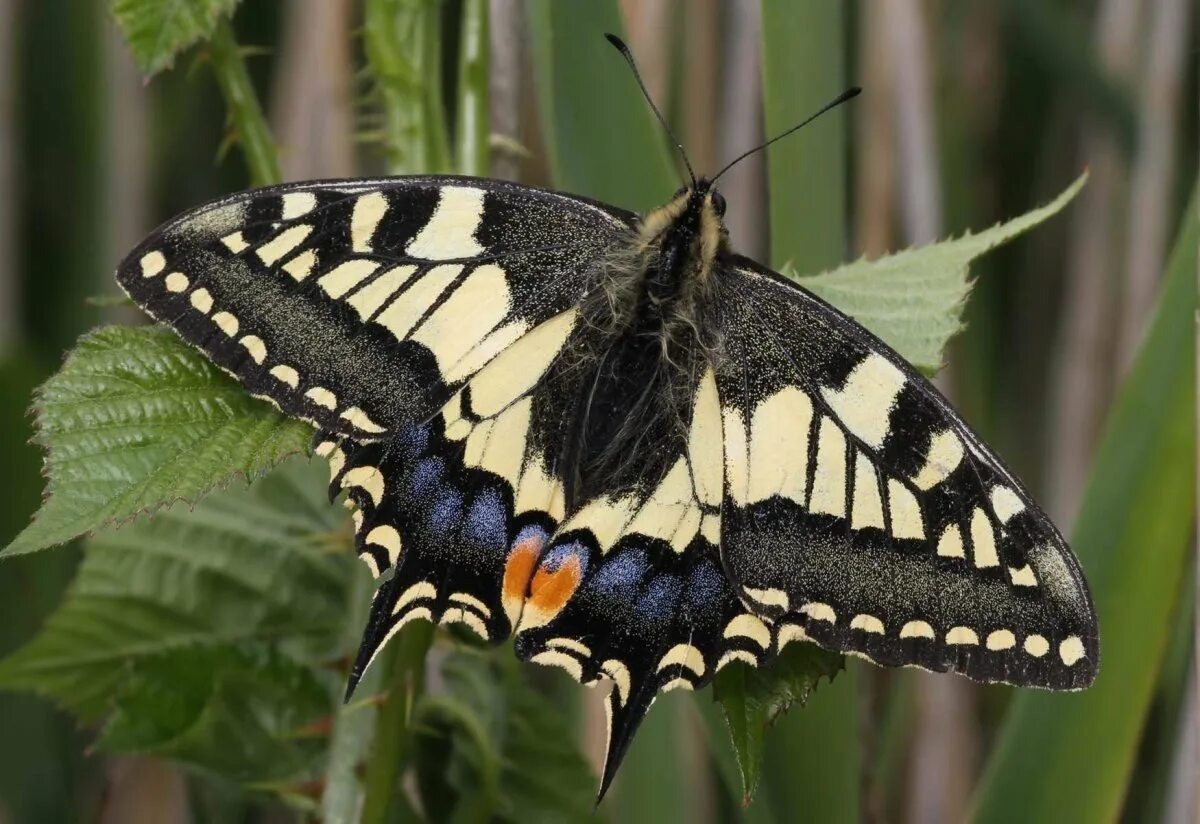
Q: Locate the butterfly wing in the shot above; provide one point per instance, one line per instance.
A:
(861, 512)
(362, 306)
(630, 588)
(457, 509)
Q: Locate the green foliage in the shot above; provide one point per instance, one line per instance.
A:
(158, 30)
(237, 710)
(914, 299)
(197, 634)
(245, 565)
(492, 748)
(403, 46)
(753, 698)
(1133, 534)
(601, 139)
(135, 420)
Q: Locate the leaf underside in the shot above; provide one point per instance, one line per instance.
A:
(752, 699)
(913, 300)
(136, 419)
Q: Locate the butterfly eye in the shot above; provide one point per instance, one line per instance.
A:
(679, 192)
(718, 202)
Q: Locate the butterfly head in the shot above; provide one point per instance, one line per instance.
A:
(706, 196)
(689, 230)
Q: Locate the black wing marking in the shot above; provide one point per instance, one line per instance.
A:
(861, 512)
(457, 509)
(362, 306)
(631, 587)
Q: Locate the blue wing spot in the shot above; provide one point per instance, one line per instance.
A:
(413, 441)
(486, 520)
(558, 555)
(658, 602)
(704, 584)
(620, 575)
(446, 512)
(425, 476)
(531, 532)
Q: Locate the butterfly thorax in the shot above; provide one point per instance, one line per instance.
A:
(652, 336)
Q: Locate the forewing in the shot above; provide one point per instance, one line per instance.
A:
(860, 511)
(631, 588)
(362, 306)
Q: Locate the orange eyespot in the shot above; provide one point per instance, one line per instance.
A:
(556, 579)
(551, 590)
(518, 570)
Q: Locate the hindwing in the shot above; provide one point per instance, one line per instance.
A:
(861, 512)
(630, 587)
(362, 306)
(454, 512)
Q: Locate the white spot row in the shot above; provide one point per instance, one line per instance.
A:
(1071, 650)
(201, 300)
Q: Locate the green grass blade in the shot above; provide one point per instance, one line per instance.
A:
(803, 53)
(812, 755)
(601, 138)
(1069, 757)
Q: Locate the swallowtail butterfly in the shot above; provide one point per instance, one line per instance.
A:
(644, 455)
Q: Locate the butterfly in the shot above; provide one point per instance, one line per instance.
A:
(608, 435)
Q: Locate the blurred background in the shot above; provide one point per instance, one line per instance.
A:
(973, 112)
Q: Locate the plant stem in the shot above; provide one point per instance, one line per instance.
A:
(402, 40)
(393, 733)
(471, 125)
(245, 113)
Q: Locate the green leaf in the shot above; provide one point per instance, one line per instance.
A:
(157, 30)
(601, 139)
(753, 698)
(490, 748)
(238, 711)
(803, 53)
(245, 566)
(913, 299)
(1069, 757)
(136, 419)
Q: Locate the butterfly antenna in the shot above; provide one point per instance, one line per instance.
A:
(624, 50)
(849, 94)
